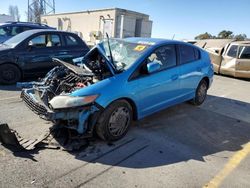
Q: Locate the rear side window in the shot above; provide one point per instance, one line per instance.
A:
(43, 41)
(244, 52)
(232, 52)
(188, 54)
(71, 41)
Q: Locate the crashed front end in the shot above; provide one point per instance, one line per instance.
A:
(51, 98)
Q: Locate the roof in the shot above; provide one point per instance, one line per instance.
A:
(213, 43)
(34, 31)
(37, 25)
(96, 10)
(241, 42)
(151, 41)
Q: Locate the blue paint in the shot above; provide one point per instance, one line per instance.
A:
(155, 91)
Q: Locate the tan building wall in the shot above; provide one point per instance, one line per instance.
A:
(93, 25)
(6, 18)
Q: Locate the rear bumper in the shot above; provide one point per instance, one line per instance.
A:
(81, 119)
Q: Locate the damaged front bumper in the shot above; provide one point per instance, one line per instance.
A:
(82, 119)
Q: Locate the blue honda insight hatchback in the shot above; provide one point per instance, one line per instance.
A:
(118, 81)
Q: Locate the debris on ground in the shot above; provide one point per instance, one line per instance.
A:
(54, 138)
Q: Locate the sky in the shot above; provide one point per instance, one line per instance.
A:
(183, 19)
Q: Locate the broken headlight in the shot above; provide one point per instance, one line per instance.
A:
(64, 101)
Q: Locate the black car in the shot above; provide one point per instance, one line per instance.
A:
(11, 29)
(30, 53)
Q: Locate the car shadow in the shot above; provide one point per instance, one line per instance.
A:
(13, 87)
(174, 135)
(9, 88)
(178, 134)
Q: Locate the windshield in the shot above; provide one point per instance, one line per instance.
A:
(14, 41)
(124, 53)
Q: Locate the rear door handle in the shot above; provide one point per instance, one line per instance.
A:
(174, 77)
(198, 69)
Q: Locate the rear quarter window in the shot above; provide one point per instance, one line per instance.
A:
(244, 52)
(188, 54)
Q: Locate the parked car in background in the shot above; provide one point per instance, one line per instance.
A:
(10, 29)
(30, 53)
(117, 83)
(230, 57)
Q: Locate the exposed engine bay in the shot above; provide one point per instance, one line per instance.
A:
(67, 78)
(51, 98)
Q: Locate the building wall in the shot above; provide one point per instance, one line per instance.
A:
(92, 26)
(82, 23)
(132, 24)
(6, 18)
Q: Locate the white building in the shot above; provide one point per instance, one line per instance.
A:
(6, 18)
(92, 25)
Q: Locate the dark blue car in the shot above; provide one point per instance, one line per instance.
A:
(120, 81)
(11, 29)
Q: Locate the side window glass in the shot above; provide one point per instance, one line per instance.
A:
(165, 56)
(16, 30)
(26, 28)
(53, 40)
(39, 41)
(5, 31)
(42, 41)
(244, 52)
(232, 52)
(70, 40)
(188, 54)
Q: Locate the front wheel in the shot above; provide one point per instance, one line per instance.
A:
(114, 122)
(200, 94)
(9, 74)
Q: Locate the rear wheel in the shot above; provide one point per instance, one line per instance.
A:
(200, 94)
(114, 122)
(9, 74)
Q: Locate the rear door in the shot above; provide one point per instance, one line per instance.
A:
(38, 53)
(73, 47)
(191, 65)
(243, 61)
(216, 59)
(228, 60)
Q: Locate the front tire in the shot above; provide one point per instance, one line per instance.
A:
(200, 93)
(9, 74)
(114, 122)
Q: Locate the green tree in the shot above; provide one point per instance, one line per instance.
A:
(204, 36)
(225, 34)
(240, 37)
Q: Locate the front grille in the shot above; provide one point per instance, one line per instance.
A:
(33, 105)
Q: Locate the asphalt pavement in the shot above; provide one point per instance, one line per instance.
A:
(182, 146)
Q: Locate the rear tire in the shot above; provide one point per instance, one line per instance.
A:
(114, 122)
(200, 93)
(9, 74)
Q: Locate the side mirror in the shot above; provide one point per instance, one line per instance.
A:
(30, 45)
(153, 67)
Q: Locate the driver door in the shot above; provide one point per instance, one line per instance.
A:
(159, 89)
